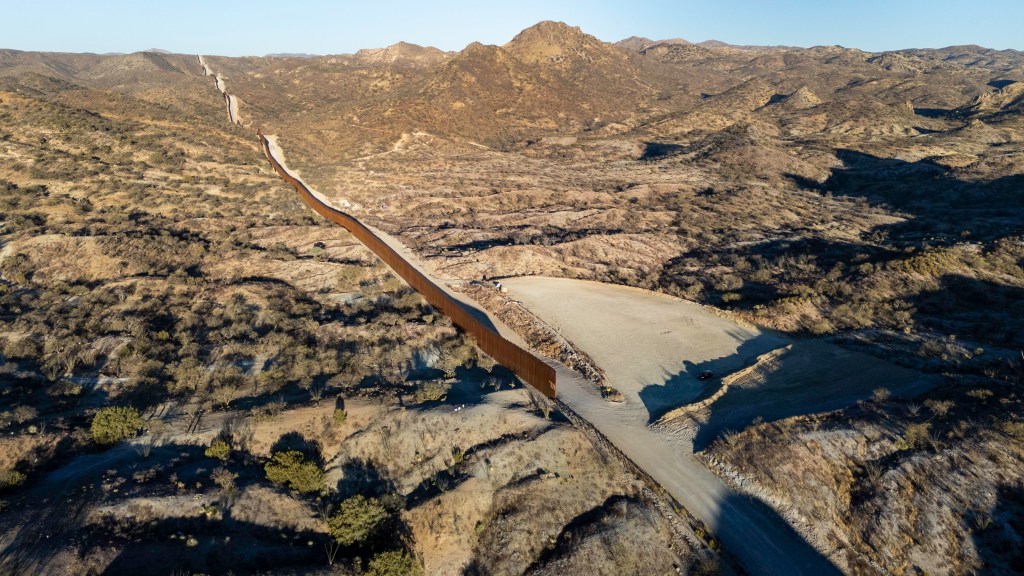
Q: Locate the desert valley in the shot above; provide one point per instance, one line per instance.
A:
(781, 290)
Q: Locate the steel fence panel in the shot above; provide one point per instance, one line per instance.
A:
(523, 363)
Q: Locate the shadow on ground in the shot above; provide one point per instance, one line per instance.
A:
(744, 511)
(685, 387)
(943, 205)
(979, 310)
(998, 533)
(810, 376)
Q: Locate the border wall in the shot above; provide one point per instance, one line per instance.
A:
(523, 363)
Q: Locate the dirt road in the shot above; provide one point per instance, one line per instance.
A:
(230, 101)
(750, 530)
(651, 346)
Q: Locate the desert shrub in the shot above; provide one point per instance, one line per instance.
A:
(917, 435)
(224, 478)
(23, 414)
(939, 407)
(22, 348)
(10, 479)
(291, 468)
(458, 353)
(340, 415)
(394, 563)
(706, 566)
(219, 449)
(357, 519)
(188, 375)
(980, 394)
(881, 394)
(115, 423)
(432, 391)
(1013, 429)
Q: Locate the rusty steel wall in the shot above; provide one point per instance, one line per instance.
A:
(524, 364)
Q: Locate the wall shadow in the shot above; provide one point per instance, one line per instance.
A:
(793, 555)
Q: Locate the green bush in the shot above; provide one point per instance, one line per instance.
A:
(291, 468)
(340, 415)
(10, 479)
(115, 423)
(356, 520)
(219, 449)
(432, 391)
(394, 563)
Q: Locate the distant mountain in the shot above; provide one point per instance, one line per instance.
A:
(675, 52)
(403, 52)
(720, 44)
(639, 43)
(556, 43)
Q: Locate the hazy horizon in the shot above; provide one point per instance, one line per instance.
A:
(242, 29)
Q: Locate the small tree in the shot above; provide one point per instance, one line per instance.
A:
(394, 563)
(917, 435)
(291, 468)
(356, 520)
(10, 479)
(115, 423)
(225, 479)
(219, 449)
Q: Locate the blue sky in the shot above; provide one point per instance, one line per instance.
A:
(257, 27)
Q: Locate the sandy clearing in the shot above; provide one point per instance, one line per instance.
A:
(652, 346)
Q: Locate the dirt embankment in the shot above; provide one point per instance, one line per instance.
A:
(537, 334)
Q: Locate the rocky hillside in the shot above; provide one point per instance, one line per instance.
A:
(150, 261)
(198, 377)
